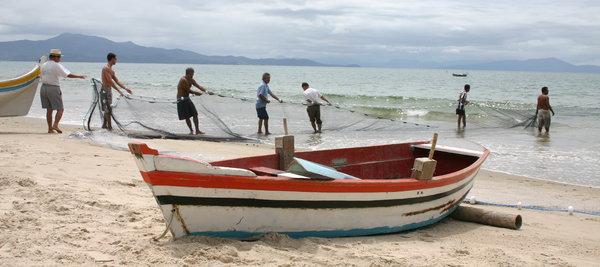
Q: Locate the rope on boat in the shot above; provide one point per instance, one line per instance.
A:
(535, 207)
(166, 229)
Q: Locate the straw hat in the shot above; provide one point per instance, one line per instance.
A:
(55, 52)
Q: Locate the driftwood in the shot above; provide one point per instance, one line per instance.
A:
(477, 215)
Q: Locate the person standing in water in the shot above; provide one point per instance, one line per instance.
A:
(460, 109)
(314, 106)
(543, 110)
(262, 93)
(50, 93)
(109, 81)
(185, 107)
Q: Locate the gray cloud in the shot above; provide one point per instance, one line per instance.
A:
(339, 32)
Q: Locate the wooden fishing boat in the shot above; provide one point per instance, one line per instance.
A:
(16, 95)
(351, 191)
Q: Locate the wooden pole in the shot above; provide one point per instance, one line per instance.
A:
(285, 126)
(476, 215)
(433, 143)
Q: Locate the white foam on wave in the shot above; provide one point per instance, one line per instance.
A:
(415, 112)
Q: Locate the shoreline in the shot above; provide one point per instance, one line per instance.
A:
(543, 179)
(74, 126)
(88, 205)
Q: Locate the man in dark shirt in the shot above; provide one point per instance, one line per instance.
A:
(460, 108)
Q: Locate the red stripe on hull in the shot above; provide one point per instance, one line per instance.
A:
(163, 178)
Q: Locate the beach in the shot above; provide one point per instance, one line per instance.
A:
(402, 104)
(69, 201)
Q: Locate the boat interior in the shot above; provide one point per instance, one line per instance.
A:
(393, 161)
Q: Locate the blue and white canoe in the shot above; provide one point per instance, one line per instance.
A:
(247, 197)
(16, 95)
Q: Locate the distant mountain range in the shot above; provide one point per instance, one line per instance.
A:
(539, 64)
(85, 48)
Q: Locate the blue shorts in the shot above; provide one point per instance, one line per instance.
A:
(262, 113)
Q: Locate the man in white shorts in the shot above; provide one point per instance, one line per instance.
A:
(50, 93)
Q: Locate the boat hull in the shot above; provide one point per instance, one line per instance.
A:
(16, 95)
(199, 198)
(248, 213)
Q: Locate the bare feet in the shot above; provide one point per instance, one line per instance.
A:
(57, 129)
(50, 131)
(199, 132)
(267, 133)
(259, 132)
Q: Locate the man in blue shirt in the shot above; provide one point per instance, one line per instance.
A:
(262, 94)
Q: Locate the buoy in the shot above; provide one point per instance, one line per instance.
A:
(570, 209)
(519, 205)
(472, 200)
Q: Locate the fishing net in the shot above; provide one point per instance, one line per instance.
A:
(151, 117)
(231, 117)
(505, 115)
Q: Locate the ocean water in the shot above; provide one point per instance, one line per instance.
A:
(570, 154)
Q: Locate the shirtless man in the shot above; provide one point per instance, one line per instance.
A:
(185, 107)
(543, 110)
(109, 80)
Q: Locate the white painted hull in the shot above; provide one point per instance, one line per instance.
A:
(241, 222)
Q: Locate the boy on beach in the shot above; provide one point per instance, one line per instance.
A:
(50, 93)
(185, 107)
(262, 100)
(460, 109)
(314, 106)
(109, 81)
(543, 110)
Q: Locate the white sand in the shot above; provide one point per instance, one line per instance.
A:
(63, 201)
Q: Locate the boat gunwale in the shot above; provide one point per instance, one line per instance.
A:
(30, 75)
(271, 183)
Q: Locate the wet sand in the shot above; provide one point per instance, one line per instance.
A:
(65, 201)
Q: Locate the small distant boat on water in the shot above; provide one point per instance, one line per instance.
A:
(459, 74)
(338, 193)
(16, 95)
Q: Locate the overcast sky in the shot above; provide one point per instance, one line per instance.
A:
(363, 32)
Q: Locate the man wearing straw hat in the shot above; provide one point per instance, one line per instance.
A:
(50, 92)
